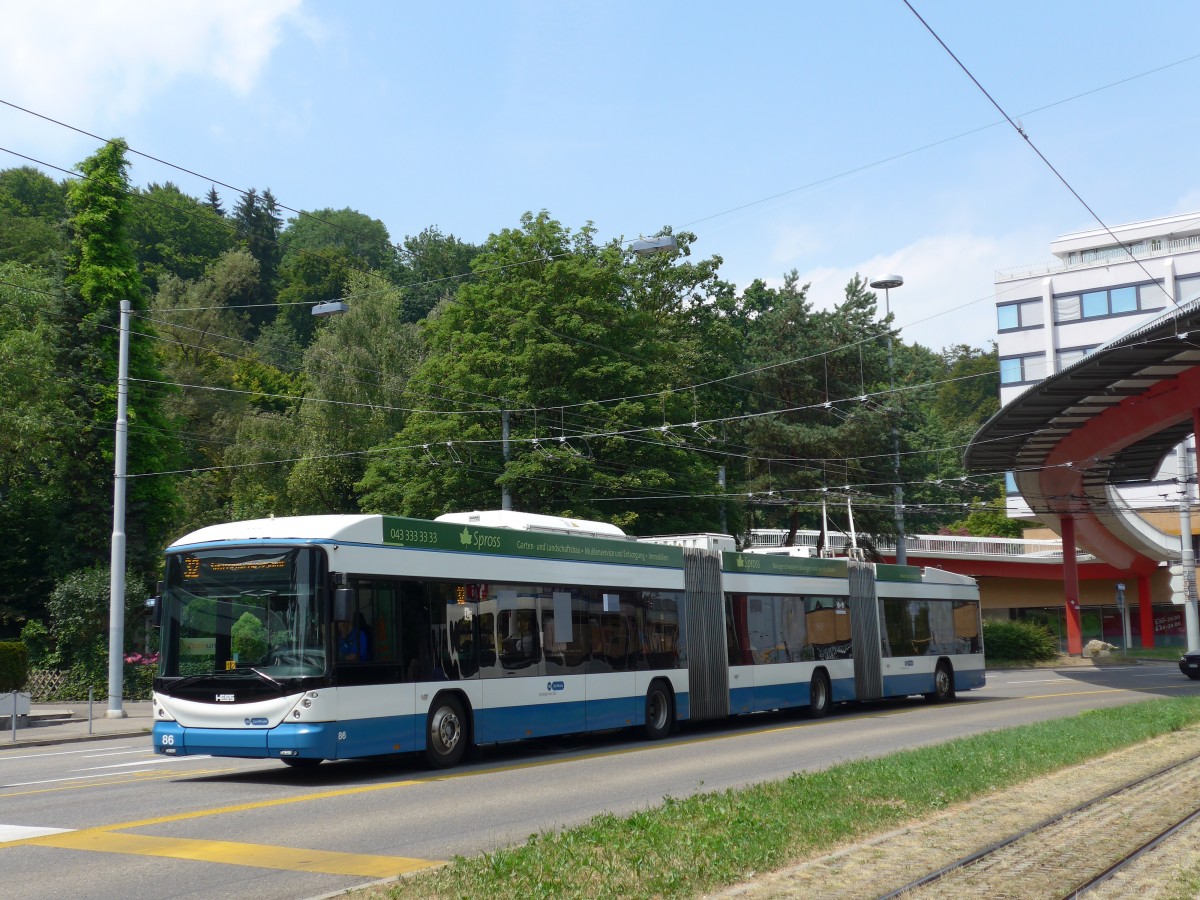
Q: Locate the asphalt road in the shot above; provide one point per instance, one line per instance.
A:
(110, 819)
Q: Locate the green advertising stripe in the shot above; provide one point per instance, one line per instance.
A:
(760, 564)
(889, 572)
(447, 536)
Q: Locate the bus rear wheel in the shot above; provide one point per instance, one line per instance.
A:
(446, 733)
(660, 712)
(818, 695)
(943, 684)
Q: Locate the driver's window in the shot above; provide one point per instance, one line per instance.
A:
(367, 635)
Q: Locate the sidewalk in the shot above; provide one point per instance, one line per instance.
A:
(64, 723)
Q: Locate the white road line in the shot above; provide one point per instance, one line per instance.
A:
(157, 761)
(120, 753)
(6, 758)
(60, 780)
(24, 832)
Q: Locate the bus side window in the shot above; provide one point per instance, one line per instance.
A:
(519, 643)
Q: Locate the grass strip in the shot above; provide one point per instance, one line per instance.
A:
(688, 846)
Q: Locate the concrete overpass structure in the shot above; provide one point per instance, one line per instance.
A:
(1074, 438)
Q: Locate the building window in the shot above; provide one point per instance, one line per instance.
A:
(1072, 355)
(1066, 309)
(1022, 369)
(1104, 302)
(1185, 288)
(1018, 315)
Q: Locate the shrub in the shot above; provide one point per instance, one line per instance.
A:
(14, 666)
(1019, 641)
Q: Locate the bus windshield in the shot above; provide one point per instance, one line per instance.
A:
(231, 609)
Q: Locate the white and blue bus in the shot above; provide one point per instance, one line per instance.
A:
(333, 637)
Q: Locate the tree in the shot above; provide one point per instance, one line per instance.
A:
(213, 201)
(431, 266)
(257, 222)
(35, 436)
(365, 241)
(101, 272)
(204, 331)
(971, 394)
(174, 234)
(309, 278)
(355, 371)
(550, 325)
(33, 209)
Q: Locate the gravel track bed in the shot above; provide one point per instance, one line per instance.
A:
(887, 862)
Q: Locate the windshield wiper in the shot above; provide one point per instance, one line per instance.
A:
(267, 678)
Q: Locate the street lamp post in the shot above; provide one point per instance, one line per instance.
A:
(116, 577)
(887, 282)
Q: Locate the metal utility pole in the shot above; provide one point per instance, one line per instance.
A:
(1187, 559)
(887, 282)
(505, 493)
(116, 583)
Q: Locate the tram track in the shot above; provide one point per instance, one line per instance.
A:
(1135, 830)
(1078, 849)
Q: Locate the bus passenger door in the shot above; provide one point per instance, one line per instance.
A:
(516, 701)
(615, 645)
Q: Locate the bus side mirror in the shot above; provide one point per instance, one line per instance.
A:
(155, 604)
(343, 599)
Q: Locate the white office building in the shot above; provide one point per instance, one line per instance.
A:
(1099, 286)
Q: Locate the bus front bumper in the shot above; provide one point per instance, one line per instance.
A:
(310, 740)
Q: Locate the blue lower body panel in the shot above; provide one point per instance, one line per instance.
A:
(317, 740)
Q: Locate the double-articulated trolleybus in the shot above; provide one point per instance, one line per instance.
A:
(333, 637)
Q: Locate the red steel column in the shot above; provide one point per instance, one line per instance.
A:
(1071, 587)
(1145, 613)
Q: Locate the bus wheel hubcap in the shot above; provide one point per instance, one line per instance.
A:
(445, 729)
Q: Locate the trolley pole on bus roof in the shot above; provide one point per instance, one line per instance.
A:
(116, 583)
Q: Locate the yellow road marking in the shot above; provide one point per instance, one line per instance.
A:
(263, 856)
(260, 804)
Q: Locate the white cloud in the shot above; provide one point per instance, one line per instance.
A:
(95, 63)
(948, 296)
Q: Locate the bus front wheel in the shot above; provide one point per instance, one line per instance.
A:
(446, 734)
(943, 684)
(660, 712)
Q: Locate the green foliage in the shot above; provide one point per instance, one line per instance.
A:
(249, 638)
(100, 274)
(354, 371)
(36, 638)
(14, 666)
(552, 321)
(174, 234)
(358, 237)
(32, 213)
(78, 610)
(1018, 641)
(988, 520)
(257, 222)
(430, 267)
(37, 437)
(78, 613)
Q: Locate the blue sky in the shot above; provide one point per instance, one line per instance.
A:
(639, 115)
